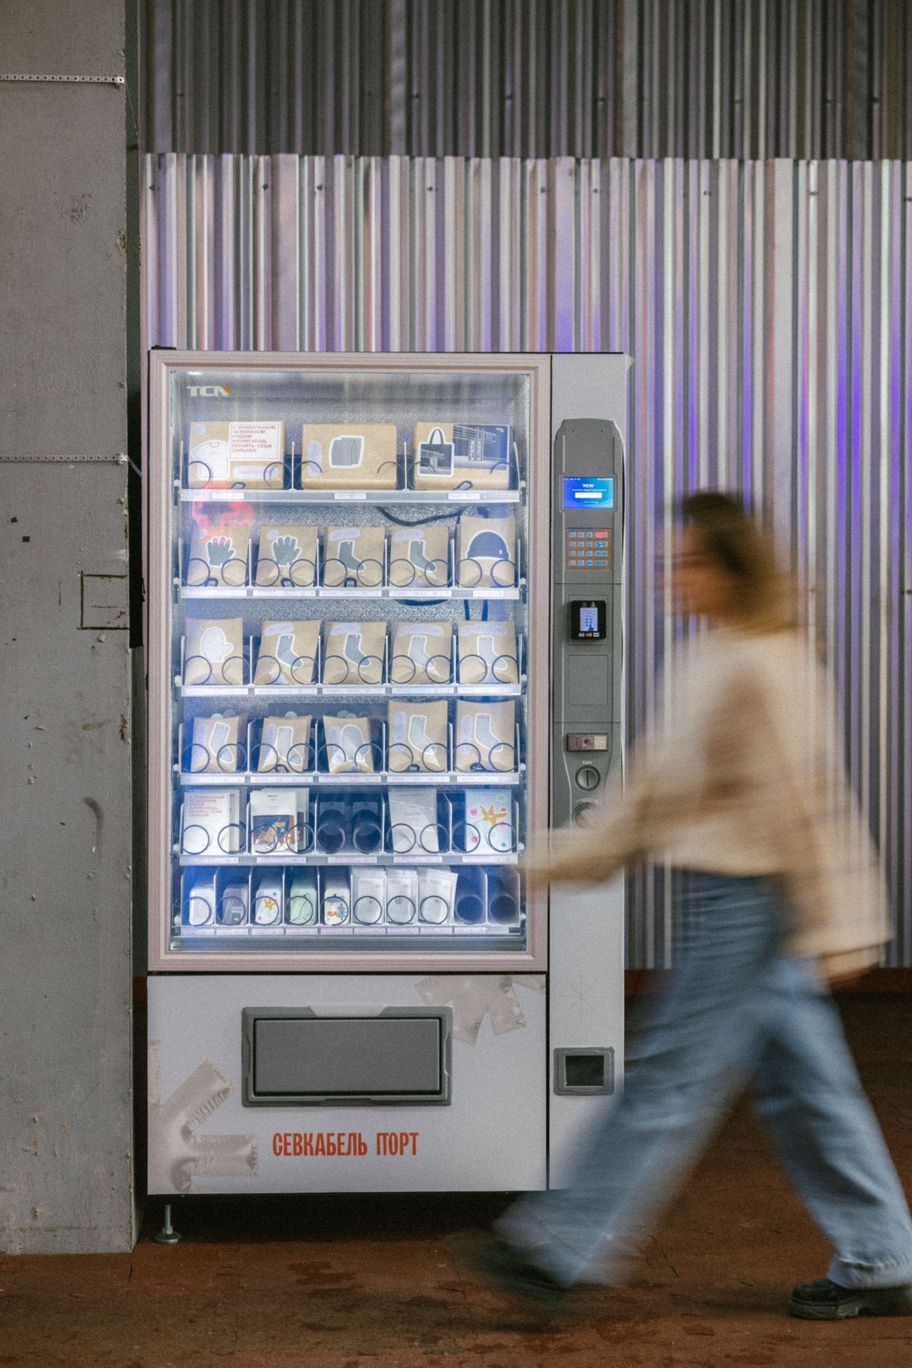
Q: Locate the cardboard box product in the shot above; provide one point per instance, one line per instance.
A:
(473, 455)
(354, 456)
(486, 552)
(210, 823)
(288, 652)
(419, 557)
(488, 653)
(218, 558)
(287, 556)
(421, 653)
(354, 653)
(246, 455)
(353, 557)
(214, 651)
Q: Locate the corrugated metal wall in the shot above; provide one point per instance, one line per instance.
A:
(529, 78)
(768, 307)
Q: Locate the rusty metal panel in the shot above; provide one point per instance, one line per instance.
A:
(808, 79)
(767, 305)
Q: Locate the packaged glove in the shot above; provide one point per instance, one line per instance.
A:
(287, 556)
(214, 651)
(219, 559)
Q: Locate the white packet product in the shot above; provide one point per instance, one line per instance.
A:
(485, 736)
(287, 556)
(401, 895)
(436, 895)
(336, 896)
(215, 747)
(301, 906)
(288, 652)
(214, 651)
(417, 736)
(234, 909)
(354, 653)
(353, 557)
(419, 557)
(414, 825)
(200, 906)
(349, 748)
(267, 901)
(285, 745)
(219, 558)
(486, 552)
(487, 653)
(368, 895)
(421, 652)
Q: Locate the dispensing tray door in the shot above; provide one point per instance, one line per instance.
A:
(291, 1055)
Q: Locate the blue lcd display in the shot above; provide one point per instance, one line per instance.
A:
(588, 491)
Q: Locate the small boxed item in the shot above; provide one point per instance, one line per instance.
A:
(335, 900)
(267, 902)
(287, 556)
(278, 821)
(455, 455)
(356, 456)
(234, 907)
(211, 823)
(245, 455)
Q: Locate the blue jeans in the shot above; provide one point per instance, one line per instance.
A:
(737, 1009)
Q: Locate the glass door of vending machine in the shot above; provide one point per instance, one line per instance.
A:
(358, 577)
(349, 662)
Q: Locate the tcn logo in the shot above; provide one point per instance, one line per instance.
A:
(209, 391)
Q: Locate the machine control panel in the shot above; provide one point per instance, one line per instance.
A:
(587, 544)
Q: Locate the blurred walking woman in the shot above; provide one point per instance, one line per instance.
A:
(744, 792)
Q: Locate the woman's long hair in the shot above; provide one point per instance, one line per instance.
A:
(763, 594)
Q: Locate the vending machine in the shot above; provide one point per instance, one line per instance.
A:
(384, 651)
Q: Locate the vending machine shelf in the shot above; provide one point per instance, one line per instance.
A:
(360, 496)
(294, 594)
(380, 779)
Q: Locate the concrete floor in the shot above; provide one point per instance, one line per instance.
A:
(355, 1282)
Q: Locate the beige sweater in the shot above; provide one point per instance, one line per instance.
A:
(745, 778)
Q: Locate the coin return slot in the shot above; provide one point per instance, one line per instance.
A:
(584, 1072)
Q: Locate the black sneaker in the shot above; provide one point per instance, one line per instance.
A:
(826, 1300)
(508, 1268)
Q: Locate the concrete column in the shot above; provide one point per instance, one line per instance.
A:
(65, 973)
